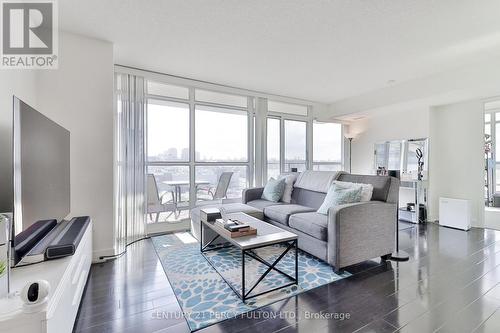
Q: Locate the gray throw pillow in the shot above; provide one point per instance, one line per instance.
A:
(273, 191)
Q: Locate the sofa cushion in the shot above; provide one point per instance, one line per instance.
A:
(282, 213)
(261, 203)
(312, 224)
(273, 191)
(307, 198)
(318, 181)
(366, 189)
(381, 184)
(290, 179)
(338, 195)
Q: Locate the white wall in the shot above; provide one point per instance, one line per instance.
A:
(22, 84)
(384, 126)
(79, 96)
(455, 133)
(456, 160)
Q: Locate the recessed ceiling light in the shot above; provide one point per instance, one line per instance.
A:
(391, 81)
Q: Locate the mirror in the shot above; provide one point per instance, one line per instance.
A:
(401, 155)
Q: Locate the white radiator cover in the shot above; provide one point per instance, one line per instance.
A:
(455, 213)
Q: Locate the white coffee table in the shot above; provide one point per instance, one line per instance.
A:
(267, 235)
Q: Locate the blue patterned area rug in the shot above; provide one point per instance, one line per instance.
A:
(205, 298)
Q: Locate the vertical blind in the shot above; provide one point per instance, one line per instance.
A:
(130, 160)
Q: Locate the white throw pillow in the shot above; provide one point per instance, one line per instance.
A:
(366, 189)
(289, 181)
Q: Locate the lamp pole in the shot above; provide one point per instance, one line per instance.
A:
(350, 154)
(399, 255)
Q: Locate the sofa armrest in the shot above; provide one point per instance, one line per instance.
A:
(360, 231)
(250, 194)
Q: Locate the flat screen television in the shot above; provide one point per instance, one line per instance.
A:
(41, 168)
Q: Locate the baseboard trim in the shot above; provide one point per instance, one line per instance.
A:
(96, 254)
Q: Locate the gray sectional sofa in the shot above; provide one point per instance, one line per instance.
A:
(349, 234)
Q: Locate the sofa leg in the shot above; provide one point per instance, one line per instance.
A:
(338, 271)
(385, 257)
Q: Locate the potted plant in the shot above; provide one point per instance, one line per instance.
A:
(4, 280)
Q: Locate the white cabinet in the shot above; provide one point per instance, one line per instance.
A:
(67, 278)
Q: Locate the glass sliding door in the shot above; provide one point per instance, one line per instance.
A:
(173, 186)
(295, 145)
(168, 157)
(222, 150)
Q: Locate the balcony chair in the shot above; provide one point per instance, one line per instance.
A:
(157, 203)
(219, 192)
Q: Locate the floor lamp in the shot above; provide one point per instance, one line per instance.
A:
(350, 138)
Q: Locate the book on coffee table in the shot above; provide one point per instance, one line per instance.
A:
(234, 228)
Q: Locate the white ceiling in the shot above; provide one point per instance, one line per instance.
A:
(317, 50)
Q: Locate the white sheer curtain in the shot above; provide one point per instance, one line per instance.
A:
(130, 172)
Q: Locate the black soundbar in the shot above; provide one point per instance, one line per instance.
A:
(65, 244)
(26, 240)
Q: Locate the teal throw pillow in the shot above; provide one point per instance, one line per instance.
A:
(340, 195)
(273, 191)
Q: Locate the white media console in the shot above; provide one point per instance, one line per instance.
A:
(67, 278)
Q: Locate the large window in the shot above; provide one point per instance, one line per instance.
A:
(196, 139)
(221, 135)
(273, 147)
(162, 89)
(295, 145)
(289, 146)
(167, 131)
(220, 98)
(286, 108)
(327, 146)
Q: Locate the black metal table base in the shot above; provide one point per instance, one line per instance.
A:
(244, 294)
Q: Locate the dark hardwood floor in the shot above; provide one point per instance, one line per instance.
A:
(450, 284)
